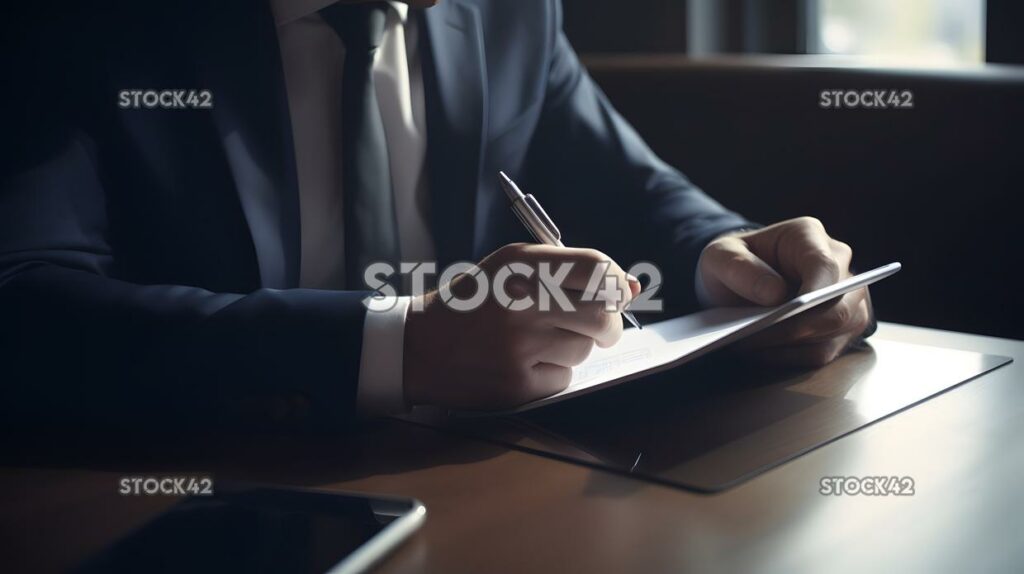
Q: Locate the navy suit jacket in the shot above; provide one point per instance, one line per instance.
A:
(149, 259)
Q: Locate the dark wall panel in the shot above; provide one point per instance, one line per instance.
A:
(626, 26)
(937, 187)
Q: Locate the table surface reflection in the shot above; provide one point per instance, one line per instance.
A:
(713, 424)
(495, 509)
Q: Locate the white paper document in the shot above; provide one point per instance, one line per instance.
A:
(670, 343)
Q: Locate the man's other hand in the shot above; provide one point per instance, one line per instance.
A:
(493, 357)
(770, 265)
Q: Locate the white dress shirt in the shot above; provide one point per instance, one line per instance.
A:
(313, 56)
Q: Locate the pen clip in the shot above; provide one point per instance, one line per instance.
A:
(543, 217)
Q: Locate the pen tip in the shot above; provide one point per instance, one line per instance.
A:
(510, 187)
(632, 319)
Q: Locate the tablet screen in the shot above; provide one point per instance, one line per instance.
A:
(255, 530)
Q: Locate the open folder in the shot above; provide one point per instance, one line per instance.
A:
(666, 344)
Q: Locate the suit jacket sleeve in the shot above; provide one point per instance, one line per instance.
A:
(79, 346)
(613, 192)
(83, 342)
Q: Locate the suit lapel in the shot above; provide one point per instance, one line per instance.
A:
(240, 62)
(455, 89)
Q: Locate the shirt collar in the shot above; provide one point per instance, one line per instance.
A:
(286, 11)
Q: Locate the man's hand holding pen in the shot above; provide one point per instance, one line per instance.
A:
(494, 357)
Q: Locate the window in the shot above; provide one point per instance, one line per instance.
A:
(938, 32)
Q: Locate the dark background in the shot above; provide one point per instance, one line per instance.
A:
(936, 187)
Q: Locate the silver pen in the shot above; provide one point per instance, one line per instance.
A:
(536, 220)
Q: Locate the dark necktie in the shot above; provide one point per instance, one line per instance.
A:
(370, 226)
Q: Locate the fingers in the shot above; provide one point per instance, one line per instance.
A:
(496, 357)
(590, 319)
(634, 286)
(596, 275)
(550, 345)
(850, 317)
(610, 283)
(807, 253)
(531, 383)
(565, 348)
(849, 314)
(583, 263)
(729, 267)
(800, 251)
(547, 379)
(537, 363)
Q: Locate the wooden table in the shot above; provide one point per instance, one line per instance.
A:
(496, 510)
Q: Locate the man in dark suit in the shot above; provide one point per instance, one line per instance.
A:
(195, 258)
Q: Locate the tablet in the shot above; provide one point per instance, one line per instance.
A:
(667, 344)
(264, 529)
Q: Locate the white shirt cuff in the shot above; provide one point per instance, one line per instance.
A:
(380, 390)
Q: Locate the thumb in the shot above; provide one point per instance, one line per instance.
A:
(728, 267)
